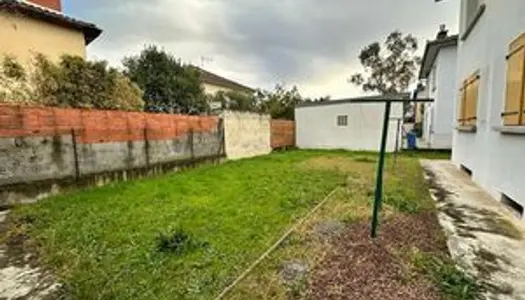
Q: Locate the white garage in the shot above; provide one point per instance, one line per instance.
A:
(351, 124)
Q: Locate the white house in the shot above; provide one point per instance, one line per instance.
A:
(351, 124)
(489, 140)
(439, 68)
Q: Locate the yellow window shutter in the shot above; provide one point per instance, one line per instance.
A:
(513, 114)
(471, 102)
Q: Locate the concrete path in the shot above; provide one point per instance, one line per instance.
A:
(20, 276)
(484, 237)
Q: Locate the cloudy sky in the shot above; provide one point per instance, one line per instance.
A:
(309, 43)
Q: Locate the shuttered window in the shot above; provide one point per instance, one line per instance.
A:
(468, 101)
(514, 114)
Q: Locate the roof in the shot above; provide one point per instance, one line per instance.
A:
(91, 31)
(214, 79)
(402, 97)
(431, 52)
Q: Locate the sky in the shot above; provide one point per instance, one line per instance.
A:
(312, 44)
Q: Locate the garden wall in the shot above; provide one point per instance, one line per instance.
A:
(43, 150)
(246, 134)
(283, 134)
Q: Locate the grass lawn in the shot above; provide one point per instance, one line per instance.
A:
(188, 235)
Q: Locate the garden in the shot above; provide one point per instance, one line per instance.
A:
(189, 235)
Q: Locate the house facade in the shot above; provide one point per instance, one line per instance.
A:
(351, 124)
(39, 26)
(439, 69)
(213, 84)
(489, 135)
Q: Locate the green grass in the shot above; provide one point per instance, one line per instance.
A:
(188, 235)
(179, 236)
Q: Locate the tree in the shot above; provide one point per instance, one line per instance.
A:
(233, 100)
(169, 86)
(389, 69)
(280, 103)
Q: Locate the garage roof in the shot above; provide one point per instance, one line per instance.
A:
(378, 98)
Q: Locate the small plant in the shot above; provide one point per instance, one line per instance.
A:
(178, 242)
(453, 282)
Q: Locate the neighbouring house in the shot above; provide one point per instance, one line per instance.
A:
(40, 26)
(438, 70)
(489, 136)
(213, 84)
(351, 124)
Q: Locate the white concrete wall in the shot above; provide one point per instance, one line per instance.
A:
(317, 126)
(446, 96)
(246, 134)
(497, 160)
(440, 115)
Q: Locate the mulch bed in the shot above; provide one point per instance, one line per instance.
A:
(360, 268)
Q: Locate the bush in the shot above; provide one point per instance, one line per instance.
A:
(168, 84)
(73, 82)
(13, 82)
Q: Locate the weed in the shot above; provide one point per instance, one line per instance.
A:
(178, 242)
(453, 282)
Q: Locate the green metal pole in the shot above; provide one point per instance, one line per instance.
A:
(380, 169)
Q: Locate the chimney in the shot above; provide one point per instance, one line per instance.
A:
(50, 4)
(443, 32)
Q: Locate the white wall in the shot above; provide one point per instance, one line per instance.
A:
(497, 160)
(317, 126)
(246, 134)
(441, 114)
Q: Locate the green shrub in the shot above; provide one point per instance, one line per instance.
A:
(72, 82)
(13, 82)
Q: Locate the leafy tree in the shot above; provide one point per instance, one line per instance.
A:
(235, 101)
(389, 69)
(280, 103)
(169, 86)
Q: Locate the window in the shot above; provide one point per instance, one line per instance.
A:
(342, 120)
(468, 101)
(514, 114)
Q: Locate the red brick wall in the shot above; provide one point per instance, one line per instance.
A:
(283, 133)
(53, 4)
(98, 126)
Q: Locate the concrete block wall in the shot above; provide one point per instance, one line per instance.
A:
(53, 145)
(246, 134)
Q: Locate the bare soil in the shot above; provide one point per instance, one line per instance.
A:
(361, 268)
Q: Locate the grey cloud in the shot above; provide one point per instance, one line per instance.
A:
(275, 39)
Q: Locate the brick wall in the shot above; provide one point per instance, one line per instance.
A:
(99, 126)
(42, 148)
(282, 133)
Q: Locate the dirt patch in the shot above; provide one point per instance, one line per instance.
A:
(21, 276)
(361, 268)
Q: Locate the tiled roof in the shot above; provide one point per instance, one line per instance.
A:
(214, 79)
(91, 31)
